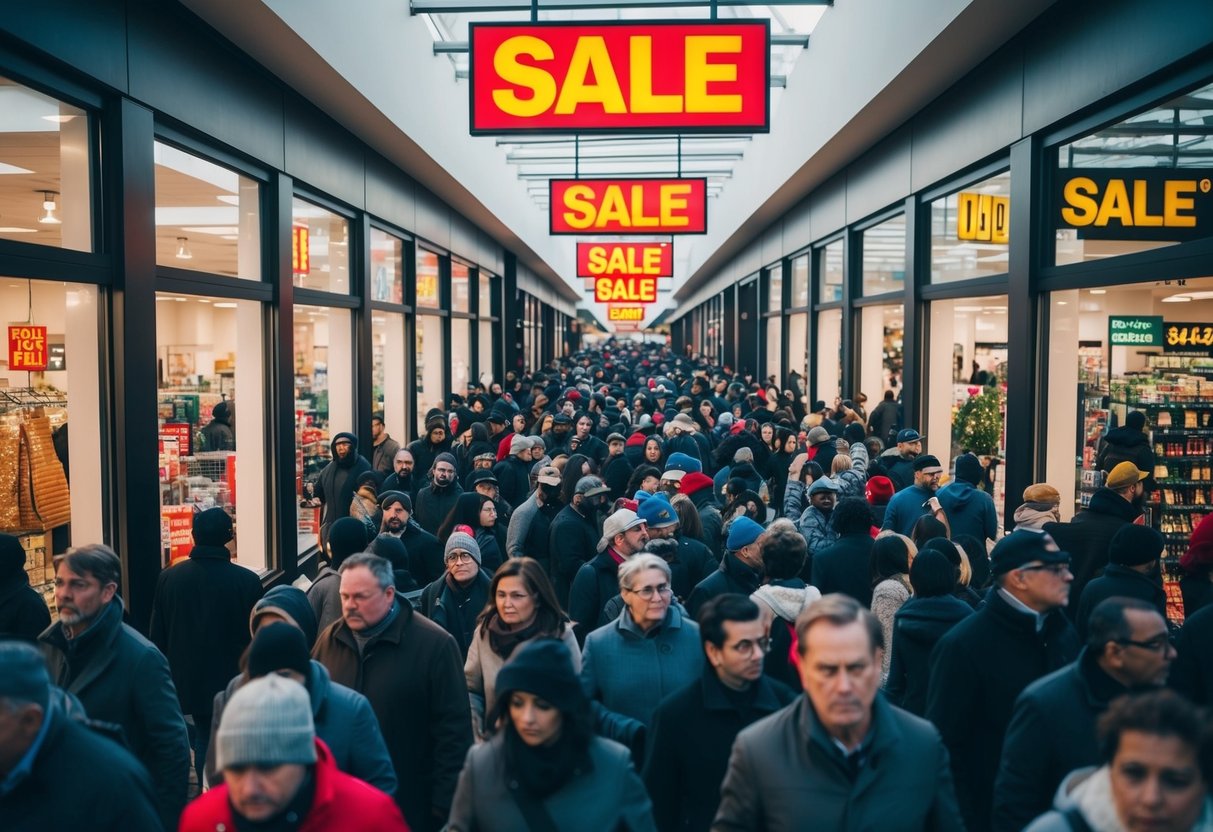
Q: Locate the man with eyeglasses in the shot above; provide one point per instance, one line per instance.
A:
(624, 534)
(984, 662)
(693, 729)
(1052, 730)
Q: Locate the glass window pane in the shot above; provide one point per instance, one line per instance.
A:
(211, 405)
(774, 288)
(207, 217)
(389, 380)
(798, 350)
(486, 353)
(800, 282)
(430, 362)
(387, 267)
(829, 356)
(884, 256)
(486, 295)
(321, 248)
(969, 231)
(50, 376)
(45, 153)
(428, 294)
(830, 273)
(461, 355)
(881, 334)
(460, 289)
(775, 348)
(324, 407)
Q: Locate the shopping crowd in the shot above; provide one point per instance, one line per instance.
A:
(633, 590)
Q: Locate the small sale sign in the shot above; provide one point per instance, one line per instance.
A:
(27, 349)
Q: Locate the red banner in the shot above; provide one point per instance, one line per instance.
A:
(177, 529)
(27, 347)
(620, 76)
(609, 259)
(628, 206)
(182, 432)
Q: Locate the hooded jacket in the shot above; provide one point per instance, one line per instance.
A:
(424, 450)
(733, 576)
(917, 626)
(698, 487)
(785, 599)
(23, 613)
(1125, 444)
(336, 484)
(1088, 792)
(1089, 535)
(969, 510)
(1036, 515)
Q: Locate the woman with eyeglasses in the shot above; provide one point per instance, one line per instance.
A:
(454, 600)
(652, 649)
(521, 607)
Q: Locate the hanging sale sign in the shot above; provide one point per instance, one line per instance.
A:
(27, 347)
(625, 314)
(610, 259)
(620, 76)
(631, 289)
(628, 206)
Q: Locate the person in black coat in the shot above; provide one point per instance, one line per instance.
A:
(616, 470)
(335, 486)
(918, 626)
(23, 613)
(1132, 572)
(1052, 730)
(200, 616)
(437, 440)
(78, 778)
(844, 565)
(435, 501)
(740, 570)
(514, 472)
(983, 663)
(454, 600)
(597, 582)
(693, 729)
(573, 536)
(1127, 443)
(1192, 672)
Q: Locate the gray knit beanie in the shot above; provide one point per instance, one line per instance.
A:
(268, 722)
(462, 540)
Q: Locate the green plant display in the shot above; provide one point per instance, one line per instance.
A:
(977, 426)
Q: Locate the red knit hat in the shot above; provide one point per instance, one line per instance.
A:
(636, 440)
(879, 490)
(1200, 547)
(694, 482)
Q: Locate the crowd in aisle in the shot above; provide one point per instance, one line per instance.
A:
(634, 590)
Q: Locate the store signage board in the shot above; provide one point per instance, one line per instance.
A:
(983, 217)
(177, 526)
(181, 432)
(27, 347)
(1135, 330)
(1189, 337)
(625, 314)
(628, 206)
(1136, 203)
(610, 259)
(620, 76)
(632, 289)
(301, 261)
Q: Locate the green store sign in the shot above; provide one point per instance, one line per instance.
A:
(1135, 330)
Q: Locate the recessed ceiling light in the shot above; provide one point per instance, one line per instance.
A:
(1177, 299)
(16, 229)
(1099, 291)
(1061, 303)
(224, 306)
(58, 119)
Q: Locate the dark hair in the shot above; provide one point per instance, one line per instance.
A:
(783, 549)
(1160, 713)
(571, 474)
(730, 606)
(852, 515)
(889, 557)
(927, 527)
(576, 734)
(465, 512)
(641, 473)
(96, 560)
(979, 560)
(549, 615)
(1108, 621)
(689, 524)
(839, 610)
(932, 574)
(948, 549)
(812, 471)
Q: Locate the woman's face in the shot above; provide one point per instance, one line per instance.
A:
(515, 604)
(1156, 783)
(488, 514)
(767, 433)
(648, 611)
(652, 453)
(705, 407)
(537, 721)
(650, 484)
(789, 445)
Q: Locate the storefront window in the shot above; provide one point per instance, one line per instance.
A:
(486, 295)
(389, 378)
(45, 153)
(774, 289)
(428, 294)
(967, 378)
(798, 349)
(460, 288)
(430, 361)
(211, 410)
(387, 267)
(969, 231)
(320, 248)
(461, 355)
(829, 355)
(486, 353)
(881, 337)
(51, 490)
(1136, 185)
(207, 217)
(830, 272)
(800, 283)
(884, 256)
(324, 404)
(775, 347)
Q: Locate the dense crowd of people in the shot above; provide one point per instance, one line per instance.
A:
(633, 591)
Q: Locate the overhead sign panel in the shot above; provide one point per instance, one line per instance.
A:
(639, 289)
(625, 314)
(611, 259)
(620, 76)
(1136, 203)
(628, 206)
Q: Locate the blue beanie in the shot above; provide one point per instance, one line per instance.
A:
(742, 532)
(683, 462)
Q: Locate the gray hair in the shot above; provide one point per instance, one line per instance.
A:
(636, 564)
(96, 560)
(381, 568)
(839, 610)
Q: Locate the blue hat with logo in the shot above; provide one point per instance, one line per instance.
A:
(742, 532)
(657, 512)
(683, 462)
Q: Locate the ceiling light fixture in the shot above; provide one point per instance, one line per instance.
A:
(1099, 291)
(183, 249)
(1177, 299)
(48, 205)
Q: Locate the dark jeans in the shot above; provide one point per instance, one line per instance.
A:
(200, 740)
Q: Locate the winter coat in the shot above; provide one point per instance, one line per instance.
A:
(217, 435)
(1089, 535)
(325, 597)
(898, 468)
(906, 507)
(1192, 671)
(978, 669)
(1197, 592)
(1118, 581)
(81, 779)
(710, 519)
(342, 803)
(969, 510)
(731, 576)
(427, 560)
(383, 455)
(689, 743)
(413, 676)
(424, 451)
(527, 533)
(335, 485)
(607, 795)
(888, 596)
(845, 567)
(615, 474)
(693, 562)
(23, 613)
(1126, 444)
(594, 448)
(456, 612)
(851, 482)
(433, 505)
(343, 718)
(483, 664)
(683, 443)
(780, 782)
(785, 600)
(513, 479)
(1052, 733)
(573, 541)
(1088, 793)
(200, 618)
(120, 677)
(596, 583)
(816, 527)
(917, 626)
(883, 420)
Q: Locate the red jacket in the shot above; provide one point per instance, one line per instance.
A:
(342, 804)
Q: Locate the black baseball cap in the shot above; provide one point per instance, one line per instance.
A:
(908, 435)
(1023, 546)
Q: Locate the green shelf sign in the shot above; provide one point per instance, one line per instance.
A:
(1135, 330)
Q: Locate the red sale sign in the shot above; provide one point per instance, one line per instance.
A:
(610, 259)
(27, 348)
(628, 206)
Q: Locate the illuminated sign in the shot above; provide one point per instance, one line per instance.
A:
(1135, 330)
(1187, 336)
(620, 76)
(628, 206)
(983, 217)
(635, 289)
(625, 314)
(1136, 204)
(300, 250)
(27, 348)
(608, 259)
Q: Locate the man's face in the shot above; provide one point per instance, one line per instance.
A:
(403, 463)
(537, 451)
(444, 473)
(342, 448)
(1043, 586)
(261, 793)
(363, 602)
(568, 409)
(909, 449)
(929, 481)
(437, 436)
(560, 428)
(840, 671)
(80, 597)
(376, 428)
(663, 532)
(488, 489)
(519, 423)
(670, 486)
(1140, 665)
(738, 661)
(823, 500)
(395, 518)
(615, 447)
(19, 726)
(479, 464)
(631, 541)
(584, 425)
(1156, 782)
